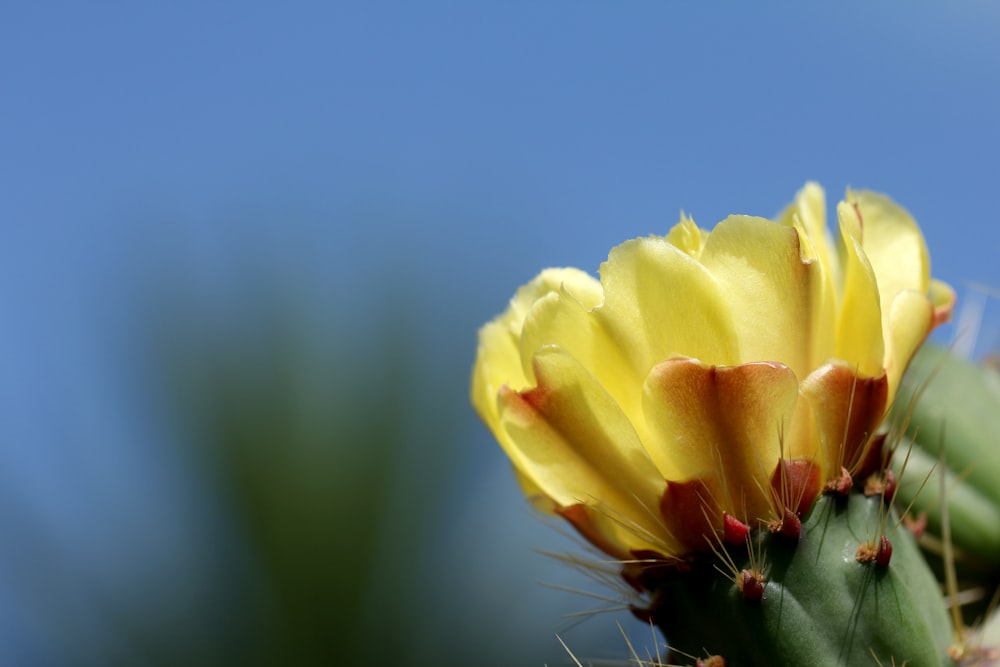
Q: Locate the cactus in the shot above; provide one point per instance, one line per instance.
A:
(952, 406)
(852, 590)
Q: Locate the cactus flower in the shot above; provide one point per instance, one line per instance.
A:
(710, 382)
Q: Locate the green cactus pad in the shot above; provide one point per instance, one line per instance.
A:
(957, 407)
(820, 605)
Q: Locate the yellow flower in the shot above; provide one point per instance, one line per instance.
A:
(708, 376)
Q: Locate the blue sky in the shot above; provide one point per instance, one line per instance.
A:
(584, 122)
(440, 153)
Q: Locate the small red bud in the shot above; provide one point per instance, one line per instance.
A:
(884, 552)
(752, 586)
(734, 531)
(889, 492)
(791, 525)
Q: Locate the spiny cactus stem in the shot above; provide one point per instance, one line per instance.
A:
(807, 604)
(951, 580)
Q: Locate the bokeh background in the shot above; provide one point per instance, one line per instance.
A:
(246, 247)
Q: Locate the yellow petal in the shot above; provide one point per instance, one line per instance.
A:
(498, 356)
(616, 535)
(600, 529)
(498, 361)
(859, 327)
(687, 236)
(808, 212)
(910, 319)
(894, 245)
(942, 297)
(775, 298)
(912, 304)
(534, 494)
(661, 302)
(559, 318)
(723, 424)
(578, 283)
(568, 437)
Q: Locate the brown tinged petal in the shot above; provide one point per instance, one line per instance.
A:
(591, 525)
(796, 485)
(720, 424)
(568, 436)
(846, 408)
(691, 513)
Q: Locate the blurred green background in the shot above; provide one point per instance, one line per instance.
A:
(246, 248)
